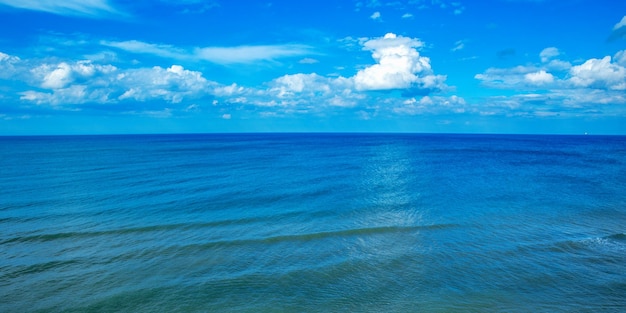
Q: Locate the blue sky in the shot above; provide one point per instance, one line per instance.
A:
(165, 66)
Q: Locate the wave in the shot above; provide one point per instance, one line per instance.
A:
(614, 242)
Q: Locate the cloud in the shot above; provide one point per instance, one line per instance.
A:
(308, 61)
(8, 65)
(620, 58)
(135, 46)
(219, 55)
(250, 54)
(459, 45)
(548, 53)
(539, 78)
(407, 15)
(554, 86)
(619, 30)
(599, 73)
(57, 76)
(70, 83)
(376, 16)
(621, 23)
(398, 66)
(85, 8)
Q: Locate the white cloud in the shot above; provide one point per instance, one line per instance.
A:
(308, 61)
(172, 84)
(56, 76)
(84, 82)
(407, 15)
(136, 46)
(226, 116)
(459, 45)
(568, 90)
(548, 53)
(599, 73)
(505, 77)
(375, 16)
(250, 54)
(74, 85)
(431, 104)
(620, 24)
(399, 66)
(539, 78)
(620, 58)
(220, 55)
(87, 8)
(7, 65)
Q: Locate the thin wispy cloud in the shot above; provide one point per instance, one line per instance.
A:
(219, 55)
(86, 8)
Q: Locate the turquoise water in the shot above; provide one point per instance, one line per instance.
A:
(313, 223)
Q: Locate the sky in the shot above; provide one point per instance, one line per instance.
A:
(198, 66)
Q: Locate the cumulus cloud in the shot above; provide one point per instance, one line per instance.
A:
(220, 55)
(172, 84)
(375, 16)
(599, 73)
(86, 8)
(565, 88)
(398, 66)
(84, 82)
(57, 76)
(539, 78)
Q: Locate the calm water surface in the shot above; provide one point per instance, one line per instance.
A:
(313, 223)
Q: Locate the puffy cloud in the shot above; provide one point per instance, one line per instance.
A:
(375, 16)
(567, 89)
(172, 84)
(56, 76)
(431, 104)
(399, 66)
(84, 82)
(539, 78)
(87, 8)
(599, 73)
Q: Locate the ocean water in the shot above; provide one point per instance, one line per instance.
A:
(313, 223)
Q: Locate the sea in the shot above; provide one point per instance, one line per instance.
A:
(313, 222)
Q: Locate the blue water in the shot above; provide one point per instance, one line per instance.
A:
(313, 223)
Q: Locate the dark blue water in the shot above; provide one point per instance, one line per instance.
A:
(313, 223)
